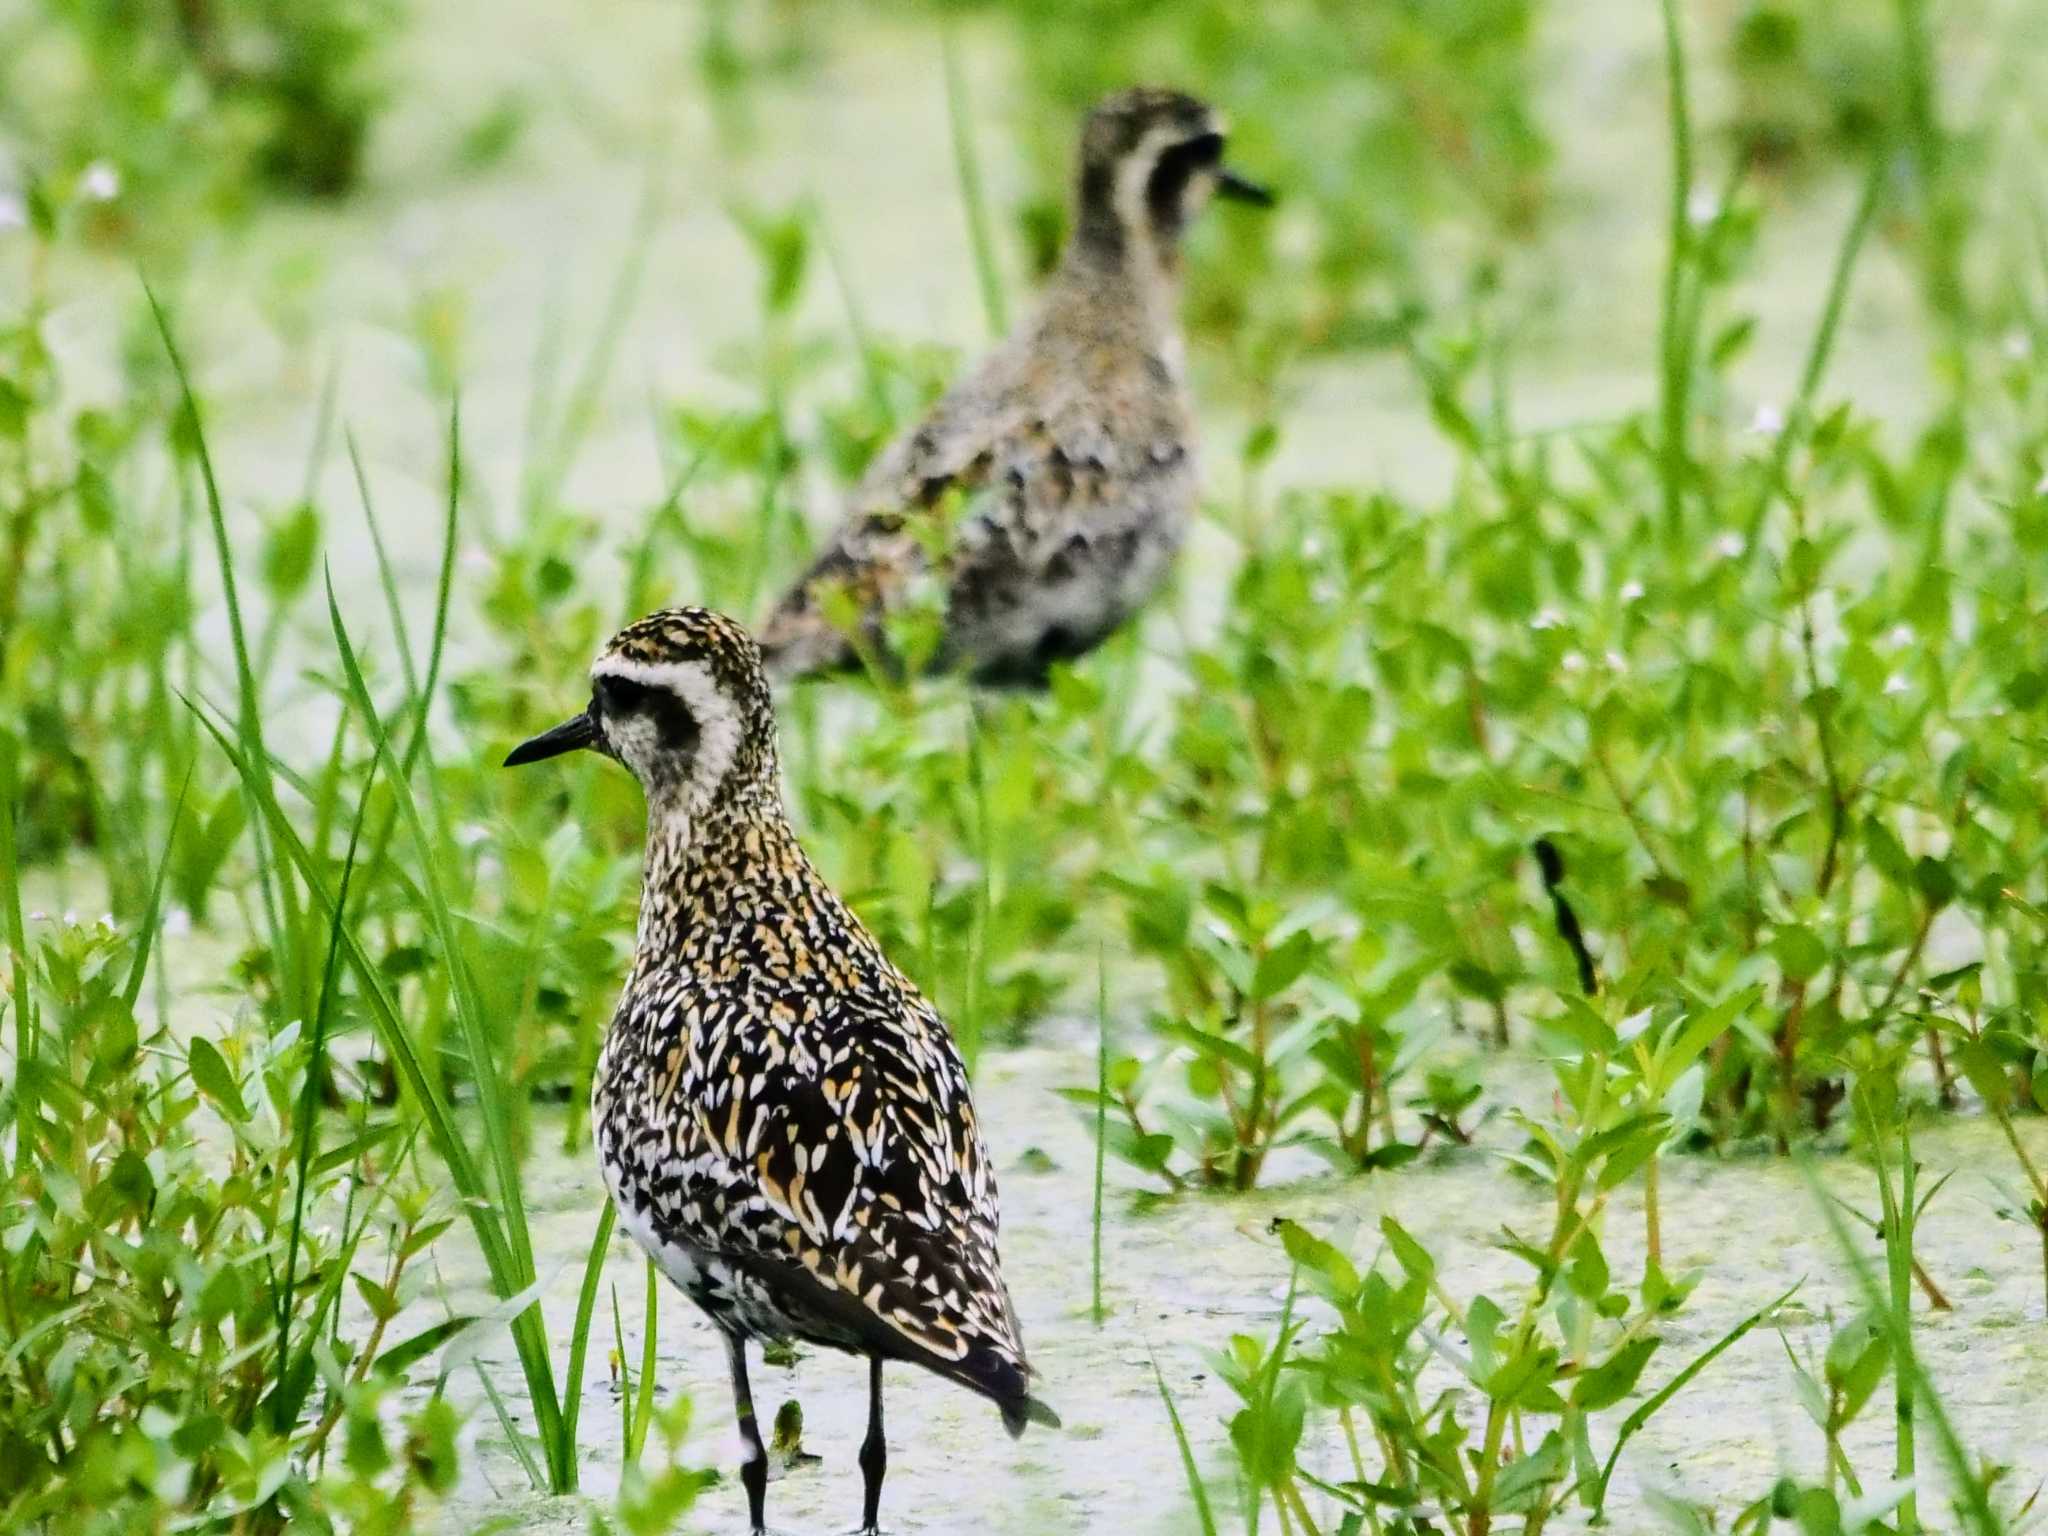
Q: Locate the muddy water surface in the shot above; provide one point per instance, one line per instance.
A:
(1183, 1277)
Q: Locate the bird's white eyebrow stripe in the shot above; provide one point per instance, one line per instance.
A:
(656, 674)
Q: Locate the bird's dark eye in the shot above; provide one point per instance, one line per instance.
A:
(620, 695)
(1203, 149)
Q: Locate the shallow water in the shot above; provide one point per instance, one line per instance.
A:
(1181, 1278)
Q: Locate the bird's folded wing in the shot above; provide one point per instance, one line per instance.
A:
(868, 1167)
(879, 546)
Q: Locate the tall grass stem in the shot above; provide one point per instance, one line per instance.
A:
(973, 197)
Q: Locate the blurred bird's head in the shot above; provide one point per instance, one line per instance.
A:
(679, 697)
(1150, 161)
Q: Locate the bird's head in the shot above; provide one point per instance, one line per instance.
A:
(1150, 161)
(680, 698)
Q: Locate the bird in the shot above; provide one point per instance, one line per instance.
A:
(1048, 492)
(782, 1120)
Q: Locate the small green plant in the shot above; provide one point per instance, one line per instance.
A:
(1876, 1341)
(1517, 1437)
(172, 111)
(202, 1283)
(2000, 1051)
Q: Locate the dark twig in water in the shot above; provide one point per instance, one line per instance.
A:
(1551, 862)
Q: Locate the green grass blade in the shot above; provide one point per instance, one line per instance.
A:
(17, 943)
(513, 1437)
(967, 163)
(1095, 1309)
(477, 1039)
(391, 1033)
(579, 1340)
(973, 1023)
(1801, 413)
(385, 578)
(279, 900)
(444, 586)
(1973, 1503)
(245, 676)
(288, 1397)
(643, 1411)
(856, 321)
(580, 410)
(310, 1096)
(528, 1334)
(627, 1401)
(640, 571)
(1674, 345)
(1200, 1494)
(1898, 1251)
(1699, 1362)
(145, 939)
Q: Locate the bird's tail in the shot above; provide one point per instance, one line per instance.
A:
(1019, 1411)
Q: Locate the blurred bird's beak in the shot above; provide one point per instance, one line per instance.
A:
(1240, 190)
(566, 737)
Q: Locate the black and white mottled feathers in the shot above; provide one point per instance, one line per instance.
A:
(782, 1119)
(1057, 480)
(1064, 469)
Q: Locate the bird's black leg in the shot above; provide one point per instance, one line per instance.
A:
(754, 1471)
(874, 1453)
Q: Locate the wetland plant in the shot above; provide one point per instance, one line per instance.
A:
(1510, 1427)
(1434, 1436)
(201, 1284)
(2002, 1054)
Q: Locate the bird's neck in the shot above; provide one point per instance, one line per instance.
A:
(698, 860)
(1112, 262)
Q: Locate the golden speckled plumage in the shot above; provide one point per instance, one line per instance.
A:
(782, 1119)
(1071, 447)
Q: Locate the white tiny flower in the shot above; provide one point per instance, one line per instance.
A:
(1899, 634)
(1728, 546)
(1616, 662)
(2017, 346)
(101, 182)
(39, 917)
(1703, 207)
(1631, 590)
(471, 833)
(177, 922)
(1311, 548)
(71, 917)
(1896, 683)
(489, 870)
(1768, 421)
(2041, 485)
(107, 921)
(476, 560)
(13, 211)
(1547, 618)
(1572, 661)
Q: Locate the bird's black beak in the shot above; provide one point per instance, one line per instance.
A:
(1242, 190)
(566, 737)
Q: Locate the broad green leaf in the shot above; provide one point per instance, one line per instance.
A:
(211, 1076)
